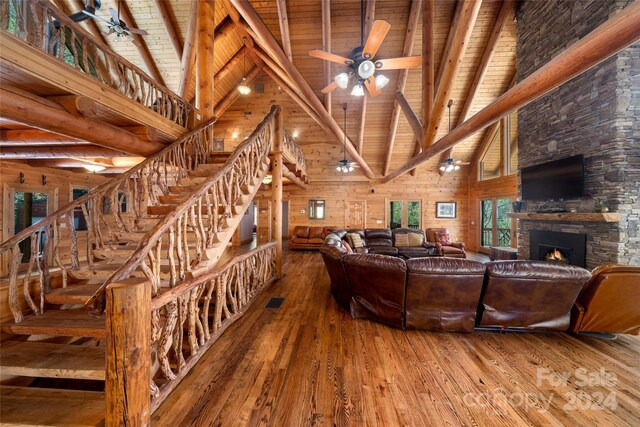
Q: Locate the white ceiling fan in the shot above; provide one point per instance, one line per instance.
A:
(118, 27)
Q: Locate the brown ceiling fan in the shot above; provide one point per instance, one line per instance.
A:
(363, 66)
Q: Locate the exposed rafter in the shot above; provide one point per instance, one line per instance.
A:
(34, 137)
(459, 34)
(204, 60)
(407, 50)
(369, 17)
(326, 46)
(618, 32)
(143, 49)
(281, 5)
(188, 60)
(265, 39)
(59, 152)
(411, 116)
(505, 12)
(161, 5)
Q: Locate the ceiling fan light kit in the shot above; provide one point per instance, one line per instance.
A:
(342, 80)
(381, 81)
(358, 90)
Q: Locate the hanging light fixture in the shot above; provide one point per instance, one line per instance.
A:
(344, 165)
(449, 165)
(342, 80)
(381, 81)
(358, 90)
(243, 88)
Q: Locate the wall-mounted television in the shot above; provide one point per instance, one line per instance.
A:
(559, 179)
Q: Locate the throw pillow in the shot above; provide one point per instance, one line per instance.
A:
(416, 239)
(356, 240)
(346, 246)
(443, 238)
(402, 240)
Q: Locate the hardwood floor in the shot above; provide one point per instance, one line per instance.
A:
(310, 363)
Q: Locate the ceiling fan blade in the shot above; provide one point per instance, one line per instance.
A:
(370, 83)
(111, 31)
(378, 32)
(399, 63)
(137, 31)
(328, 56)
(461, 163)
(95, 16)
(114, 16)
(330, 87)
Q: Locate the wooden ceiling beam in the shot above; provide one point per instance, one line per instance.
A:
(234, 94)
(66, 163)
(501, 20)
(77, 105)
(266, 40)
(618, 32)
(369, 17)
(326, 46)
(161, 6)
(461, 29)
(205, 60)
(411, 116)
(281, 5)
(407, 50)
(142, 47)
(35, 137)
(188, 60)
(39, 113)
(229, 65)
(59, 152)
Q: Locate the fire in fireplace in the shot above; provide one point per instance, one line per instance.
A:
(554, 246)
(556, 255)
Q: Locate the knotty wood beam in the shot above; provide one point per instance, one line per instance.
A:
(411, 116)
(428, 64)
(145, 133)
(363, 117)
(142, 47)
(59, 152)
(281, 5)
(269, 44)
(618, 32)
(161, 6)
(204, 60)
(369, 17)
(501, 20)
(77, 105)
(234, 94)
(34, 137)
(229, 65)
(460, 33)
(39, 113)
(326, 46)
(68, 163)
(407, 50)
(188, 60)
(276, 187)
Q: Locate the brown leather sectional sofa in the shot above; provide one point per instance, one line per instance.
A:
(449, 294)
(308, 238)
(382, 241)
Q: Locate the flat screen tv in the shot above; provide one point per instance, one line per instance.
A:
(559, 179)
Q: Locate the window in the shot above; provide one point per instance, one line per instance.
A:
(28, 209)
(79, 221)
(405, 213)
(106, 203)
(316, 209)
(500, 153)
(497, 226)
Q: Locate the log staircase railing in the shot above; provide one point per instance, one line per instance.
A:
(41, 25)
(204, 212)
(294, 153)
(115, 206)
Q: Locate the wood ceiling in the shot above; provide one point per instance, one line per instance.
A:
(161, 56)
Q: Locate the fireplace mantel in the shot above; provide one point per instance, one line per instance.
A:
(568, 216)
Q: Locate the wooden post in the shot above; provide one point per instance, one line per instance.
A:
(204, 60)
(276, 189)
(128, 360)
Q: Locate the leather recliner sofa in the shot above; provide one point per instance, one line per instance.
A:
(609, 302)
(382, 241)
(308, 238)
(531, 295)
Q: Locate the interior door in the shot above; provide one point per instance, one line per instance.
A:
(355, 214)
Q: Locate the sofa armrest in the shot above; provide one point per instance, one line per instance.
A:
(577, 314)
(459, 245)
(439, 248)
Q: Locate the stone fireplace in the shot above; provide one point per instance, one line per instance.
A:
(596, 114)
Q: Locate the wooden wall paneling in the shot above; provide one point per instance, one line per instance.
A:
(161, 6)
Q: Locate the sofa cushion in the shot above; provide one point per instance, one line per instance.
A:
(377, 233)
(383, 250)
(415, 239)
(347, 247)
(300, 240)
(443, 237)
(301, 231)
(379, 242)
(316, 241)
(355, 240)
(402, 240)
(316, 233)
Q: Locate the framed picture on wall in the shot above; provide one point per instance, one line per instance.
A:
(445, 209)
(218, 144)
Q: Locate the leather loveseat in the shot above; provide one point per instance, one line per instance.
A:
(308, 238)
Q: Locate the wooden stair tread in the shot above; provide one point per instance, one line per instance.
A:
(73, 294)
(51, 407)
(40, 359)
(67, 323)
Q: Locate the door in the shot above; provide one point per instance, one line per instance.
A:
(405, 214)
(355, 214)
(497, 227)
(285, 219)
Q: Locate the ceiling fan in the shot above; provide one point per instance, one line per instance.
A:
(118, 27)
(450, 165)
(345, 165)
(362, 63)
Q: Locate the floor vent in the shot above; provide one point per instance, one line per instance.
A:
(275, 303)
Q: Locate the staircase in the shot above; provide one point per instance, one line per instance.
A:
(167, 221)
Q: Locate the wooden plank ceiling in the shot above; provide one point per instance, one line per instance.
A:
(304, 18)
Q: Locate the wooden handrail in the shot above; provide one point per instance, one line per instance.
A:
(186, 211)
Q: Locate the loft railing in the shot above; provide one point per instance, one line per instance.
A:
(41, 25)
(116, 206)
(204, 212)
(294, 153)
